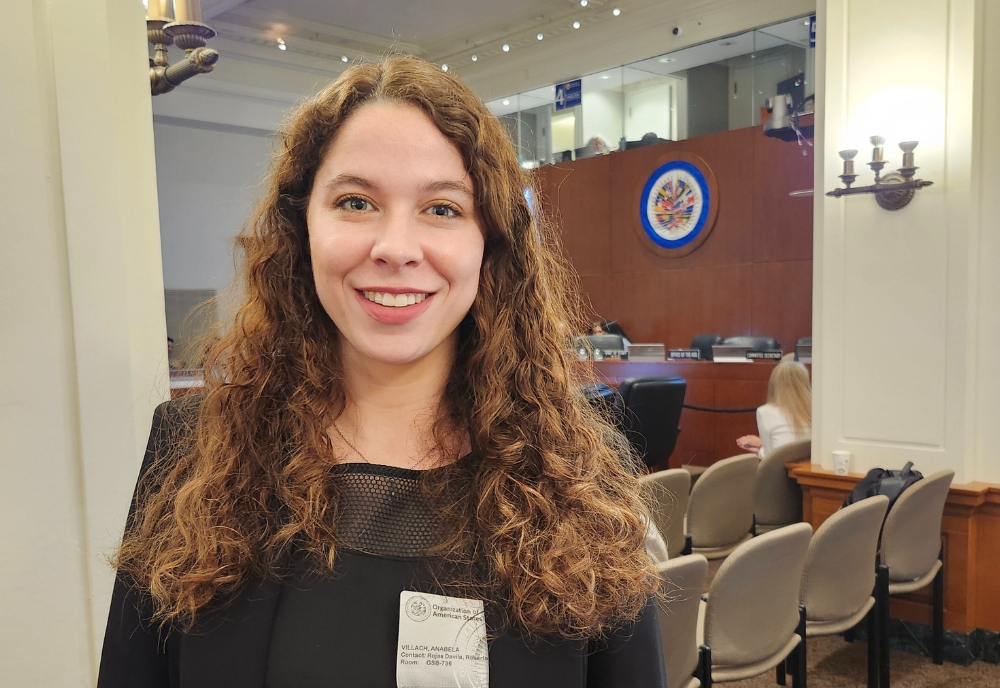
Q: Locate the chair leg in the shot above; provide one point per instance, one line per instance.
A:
(800, 680)
(849, 635)
(753, 526)
(779, 673)
(704, 671)
(938, 623)
(687, 545)
(873, 647)
(882, 602)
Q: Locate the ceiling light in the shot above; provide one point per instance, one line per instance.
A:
(540, 36)
(475, 58)
(605, 76)
(343, 58)
(805, 23)
(665, 60)
(576, 25)
(444, 68)
(506, 47)
(616, 11)
(506, 102)
(281, 44)
(583, 3)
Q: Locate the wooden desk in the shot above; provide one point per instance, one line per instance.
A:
(970, 532)
(705, 437)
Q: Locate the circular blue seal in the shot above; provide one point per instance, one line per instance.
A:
(675, 204)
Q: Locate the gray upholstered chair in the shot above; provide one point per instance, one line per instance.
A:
(670, 493)
(656, 545)
(682, 581)
(778, 499)
(753, 621)
(839, 575)
(720, 509)
(910, 558)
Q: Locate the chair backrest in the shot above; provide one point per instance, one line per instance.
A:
(704, 344)
(670, 493)
(805, 341)
(720, 510)
(656, 546)
(753, 604)
(682, 582)
(911, 537)
(653, 408)
(778, 500)
(840, 567)
(755, 343)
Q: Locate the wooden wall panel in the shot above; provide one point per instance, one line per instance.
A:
(580, 193)
(782, 225)
(782, 301)
(753, 275)
(730, 157)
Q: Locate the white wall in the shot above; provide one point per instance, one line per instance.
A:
(81, 299)
(602, 116)
(207, 177)
(903, 301)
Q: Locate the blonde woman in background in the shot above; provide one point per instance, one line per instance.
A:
(787, 415)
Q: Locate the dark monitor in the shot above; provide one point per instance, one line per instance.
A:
(585, 152)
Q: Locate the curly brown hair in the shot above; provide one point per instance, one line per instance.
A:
(553, 517)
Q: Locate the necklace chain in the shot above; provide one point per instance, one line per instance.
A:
(358, 451)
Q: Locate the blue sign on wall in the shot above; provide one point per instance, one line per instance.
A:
(568, 94)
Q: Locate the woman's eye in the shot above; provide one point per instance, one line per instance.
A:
(441, 210)
(356, 204)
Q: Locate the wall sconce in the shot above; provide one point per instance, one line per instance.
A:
(186, 31)
(894, 190)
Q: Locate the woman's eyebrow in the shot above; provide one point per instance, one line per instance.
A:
(352, 180)
(448, 185)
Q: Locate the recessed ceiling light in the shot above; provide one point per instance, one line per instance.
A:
(616, 11)
(805, 23)
(475, 58)
(444, 68)
(665, 60)
(281, 44)
(605, 76)
(343, 58)
(576, 25)
(506, 102)
(583, 3)
(506, 47)
(540, 36)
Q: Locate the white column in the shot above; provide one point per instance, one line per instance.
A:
(81, 311)
(901, 307)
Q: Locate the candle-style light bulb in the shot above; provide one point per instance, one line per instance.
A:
(907, 148)
(848, 157)
(878, 142)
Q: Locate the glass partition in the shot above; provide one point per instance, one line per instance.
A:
(707, 88)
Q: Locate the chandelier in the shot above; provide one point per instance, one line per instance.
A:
(177, 22)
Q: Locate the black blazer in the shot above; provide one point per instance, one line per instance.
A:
(230, 650)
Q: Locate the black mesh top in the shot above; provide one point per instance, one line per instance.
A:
(341, 630)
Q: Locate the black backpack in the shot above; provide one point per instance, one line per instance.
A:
(879, 481)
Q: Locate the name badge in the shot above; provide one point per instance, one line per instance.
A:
(442, 642)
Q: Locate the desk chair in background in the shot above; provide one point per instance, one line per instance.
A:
(651, 407)
(704, 344)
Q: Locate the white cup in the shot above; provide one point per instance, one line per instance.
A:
(841, 461)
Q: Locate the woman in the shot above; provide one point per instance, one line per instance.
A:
(391, 434)
(787, 415)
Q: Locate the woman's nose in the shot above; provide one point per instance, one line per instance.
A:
(397, 241)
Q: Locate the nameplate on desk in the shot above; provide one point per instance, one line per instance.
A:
(766, 355)
(678, 354)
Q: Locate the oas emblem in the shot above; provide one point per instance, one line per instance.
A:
(678, 205)
(418, 608)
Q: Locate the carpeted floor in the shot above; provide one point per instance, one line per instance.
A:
(834, 663)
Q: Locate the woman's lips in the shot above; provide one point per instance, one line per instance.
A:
(393, 315)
